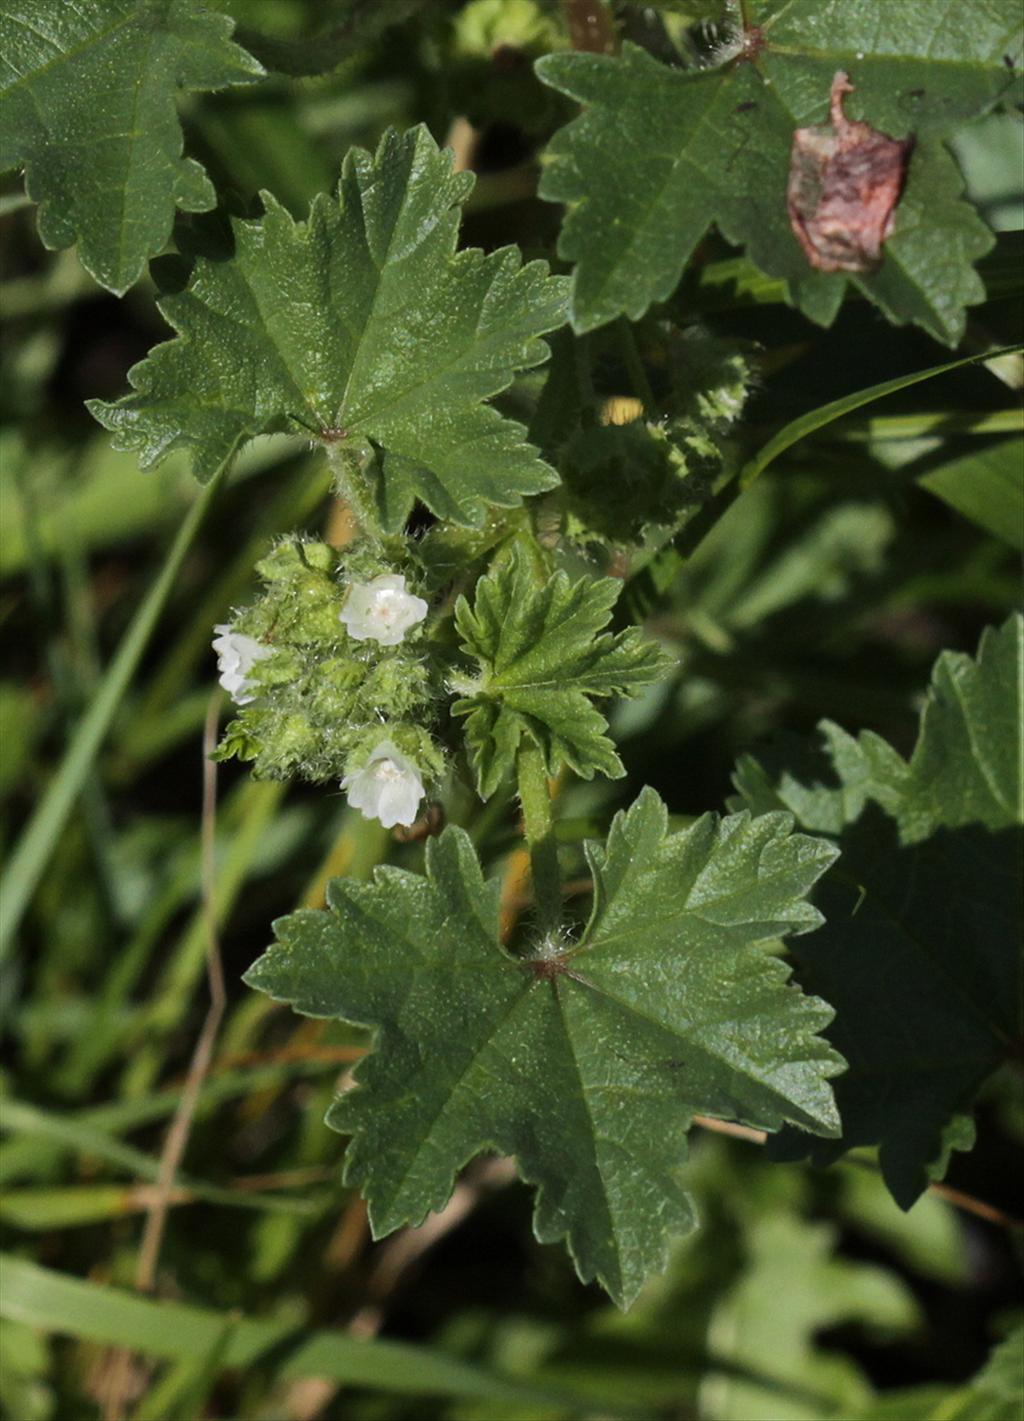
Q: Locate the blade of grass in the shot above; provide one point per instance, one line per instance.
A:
(178, 981)
(976, 424)
(68, 1306)
(29, 859)
(26, 1156)
(651, 576)
(30, 1121)
(180, 1393)
(132, 1114)
(823, 415)
(108, 501)
(70, 663)
(111, 1031)
(148, 734)
(177, 1137)
(76, 1205)
(987, 487)
(71, 1206)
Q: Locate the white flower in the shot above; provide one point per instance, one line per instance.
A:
(388, 787)
(236, 656)
(381, 610)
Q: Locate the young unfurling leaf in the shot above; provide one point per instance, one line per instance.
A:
(365, 326)
(545, 659)
(585, 1061)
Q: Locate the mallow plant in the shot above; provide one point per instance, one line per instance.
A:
(528, 447)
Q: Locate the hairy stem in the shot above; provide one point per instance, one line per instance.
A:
(353, 486)
(540, 833)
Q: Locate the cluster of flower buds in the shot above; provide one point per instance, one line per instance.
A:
(316, 696)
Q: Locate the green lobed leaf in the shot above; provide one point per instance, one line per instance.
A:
(584, 1060)
(658, 154)
(791, 1259)
(920, 961)
(928, 274)
(544, 657)
(88, 92)
(827, 784)
(921, 951)
(364, 325)
(966, 767)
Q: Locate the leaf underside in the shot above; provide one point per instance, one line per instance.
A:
(659, 154)
(921, 951)
(585, 1063)
(362, 324)
(88, 93)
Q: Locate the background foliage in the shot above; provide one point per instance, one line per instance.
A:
(801, 619)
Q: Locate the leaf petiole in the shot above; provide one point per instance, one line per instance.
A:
(538, 825)
(348, 469)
